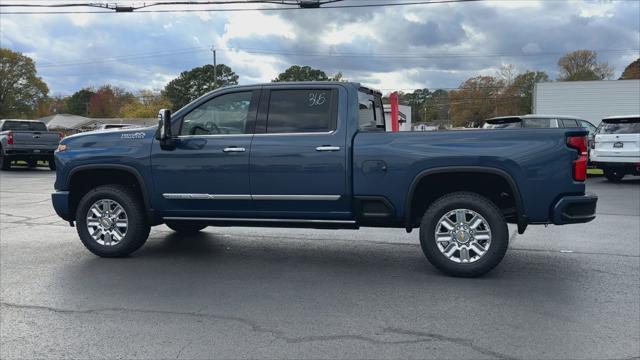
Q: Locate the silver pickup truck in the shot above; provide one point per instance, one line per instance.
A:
(27, 140)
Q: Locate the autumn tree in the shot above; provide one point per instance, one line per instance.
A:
(21, 89)
(583, 65)
(108, 101)
(303, 73)
(196, 82)
(146, 105)
(78, 103)
(476, 100)
(632, 71)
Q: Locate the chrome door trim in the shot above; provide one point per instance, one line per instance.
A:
(184, 196)
(297, 197)
(260, 220)
(206, 197)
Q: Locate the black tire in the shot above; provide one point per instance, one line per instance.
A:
(52, 164)
(185, 227)
(613, 175)
(482, 206)
(138, 226)
(5, 164)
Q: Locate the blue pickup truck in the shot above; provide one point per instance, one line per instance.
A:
(316, 155)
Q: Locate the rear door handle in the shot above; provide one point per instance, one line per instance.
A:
(328, 148)
(234, 149)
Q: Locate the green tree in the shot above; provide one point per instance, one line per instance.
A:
(146, 105)
(632, 71)
(303, 73)
(20, 87)
(78, 103)
(583, 65)
(520, 93)
(196, 82)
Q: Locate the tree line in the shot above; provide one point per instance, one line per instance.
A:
(23, 94)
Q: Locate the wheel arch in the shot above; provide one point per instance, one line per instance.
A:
(409, 215)
(118, 174)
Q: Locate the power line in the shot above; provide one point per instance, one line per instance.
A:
(280, 8)
(408, 56)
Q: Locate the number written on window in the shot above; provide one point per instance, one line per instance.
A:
(317, 98)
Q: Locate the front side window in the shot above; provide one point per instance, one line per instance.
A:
(225, 114)
(587, 125)
(301, 111)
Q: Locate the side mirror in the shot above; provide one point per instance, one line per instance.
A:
(164, 130)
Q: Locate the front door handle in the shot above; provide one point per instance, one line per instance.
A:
(234, 149)
(328, 148)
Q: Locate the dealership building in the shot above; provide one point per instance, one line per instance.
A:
(588, 100)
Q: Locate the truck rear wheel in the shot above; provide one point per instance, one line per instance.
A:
(464, 234)
(185, 227)
(111, 221)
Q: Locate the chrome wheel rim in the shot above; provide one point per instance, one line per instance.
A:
(107, 222)
(463, 236)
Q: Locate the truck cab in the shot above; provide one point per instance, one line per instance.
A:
(317, 155)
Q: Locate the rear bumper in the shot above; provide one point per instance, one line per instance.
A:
(615, 159)
(28, 154)
(575, 209)
(60, 200)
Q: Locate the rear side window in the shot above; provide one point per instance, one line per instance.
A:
(620, 126)
(541, 123)
(302, 111)
(24, 126)
(569, 123)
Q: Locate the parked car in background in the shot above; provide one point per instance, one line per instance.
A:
(115, 126)
(541, 122)
(316, 154)
(27, 140)
(616, 148)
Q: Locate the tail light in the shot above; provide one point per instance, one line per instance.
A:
(580, 165)
(61, 135)
(9, 138)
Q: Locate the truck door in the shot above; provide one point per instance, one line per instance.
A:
(299, 154)
(207, 174)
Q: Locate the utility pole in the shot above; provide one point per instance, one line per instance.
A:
(215, 65)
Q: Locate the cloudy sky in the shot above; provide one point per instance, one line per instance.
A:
(390, 48)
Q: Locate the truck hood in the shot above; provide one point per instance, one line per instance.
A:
(116, 137)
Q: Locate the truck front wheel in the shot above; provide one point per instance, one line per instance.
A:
(111, 221)
(464, 234)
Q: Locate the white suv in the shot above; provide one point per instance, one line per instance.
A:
(617, 147)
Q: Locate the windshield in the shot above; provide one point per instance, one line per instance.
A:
(370, 114)
(620, 126)
(24, 126)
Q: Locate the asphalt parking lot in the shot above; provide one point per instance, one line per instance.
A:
(561, 292)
